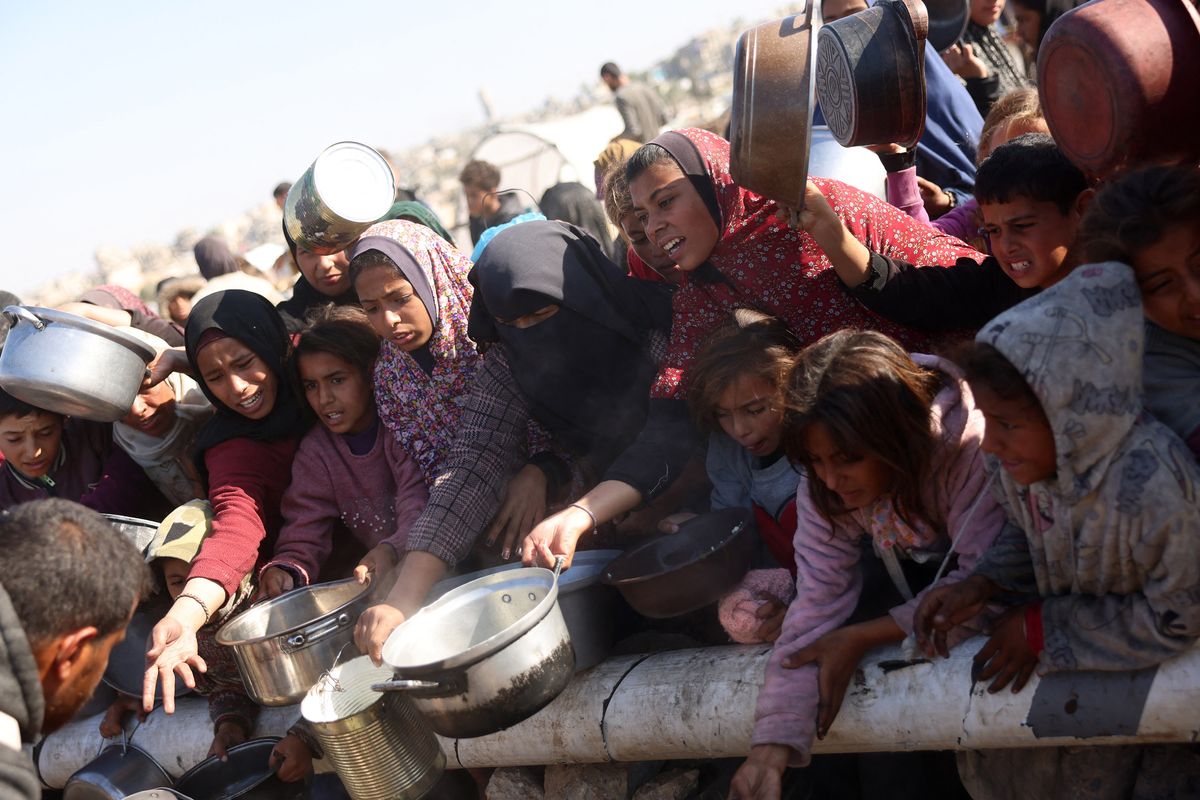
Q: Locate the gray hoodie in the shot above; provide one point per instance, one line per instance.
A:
(1113, 540)
(20, 702)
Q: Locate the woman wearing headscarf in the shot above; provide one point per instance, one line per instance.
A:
(237, 348)
(737, 253)
(577, 205)
(323, 279)
(574, 344)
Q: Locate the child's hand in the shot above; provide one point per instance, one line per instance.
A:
(378, 561)
(760, 776)
(1007, 654)
(837, 654)
(114, 718)
(816, 214)
(291, 759)
(935, 199)
(944, 607)
(229, 734)
(771, 612)
(373, 628)
(275, 581)
(671, 524)
(963, 62)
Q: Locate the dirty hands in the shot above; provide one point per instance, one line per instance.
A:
(1007, 655)
(771, 614)
(837, 654)
(557, 535)
(114, 718)
(378, 562)
(291, 759)
(760, 777)
(523, 506)
(274, 582)
(228, 734)
(172, 359)
(943, 607)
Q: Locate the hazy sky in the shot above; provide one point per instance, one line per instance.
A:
(129, 121)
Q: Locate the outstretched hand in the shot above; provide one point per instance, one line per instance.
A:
(556, 535)
(373, 629)
(172, 651)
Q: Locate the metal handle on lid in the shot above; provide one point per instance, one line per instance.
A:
(15, 313)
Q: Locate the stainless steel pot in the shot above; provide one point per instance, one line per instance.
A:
(283, 646)
(246, 774)
(71, 365)
(588, 606)
(346, 189)
(486, 655)
(118, 771)
(379, 745)
(139, 531)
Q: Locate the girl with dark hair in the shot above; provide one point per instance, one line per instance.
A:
(237, 348)
(347, 475)
(983, 59)
(1150, 219)
(573, 345)
(888, 445)
(737, 253)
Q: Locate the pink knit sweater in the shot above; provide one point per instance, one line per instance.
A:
(375, 496)
(828, 580)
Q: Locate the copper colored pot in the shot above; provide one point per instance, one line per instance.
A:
(1120, 83)
(772, 106)
(871, 74)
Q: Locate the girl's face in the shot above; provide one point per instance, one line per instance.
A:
(338, 392)
(985, 12)
(749, 414)
(1019, 435)
(673, 215)
(153, 411)
(858, 479)
(178, 307)
(1168, 273)
(238, 377)
(1029, 24)
(329, 275)
(395, 311)
(175, 574)
(31, 443)
(646, 250)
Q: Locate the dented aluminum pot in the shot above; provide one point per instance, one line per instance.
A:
(485, 656)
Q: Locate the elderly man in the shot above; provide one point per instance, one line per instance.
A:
(68, 586)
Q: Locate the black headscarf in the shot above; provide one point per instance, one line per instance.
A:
(576, 204)
(252, 320)
(305, 296)
(586, 370)
(214, 258)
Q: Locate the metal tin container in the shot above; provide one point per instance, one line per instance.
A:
(485, 656)
(379, 745)
(285, 645)
(118, 771)
(346, 189)
(71, 365)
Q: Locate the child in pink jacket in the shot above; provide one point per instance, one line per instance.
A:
(350, 474)
(889, 450)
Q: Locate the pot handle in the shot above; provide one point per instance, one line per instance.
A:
(396, 685)
(15, 313)
(450, 685)
(315, 633)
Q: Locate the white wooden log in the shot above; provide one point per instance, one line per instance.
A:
(700, 704)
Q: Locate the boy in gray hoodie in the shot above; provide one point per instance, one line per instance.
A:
(1103, 539)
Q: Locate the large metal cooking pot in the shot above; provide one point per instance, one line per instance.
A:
(346, 189)
(772, 106)
(71, 365)
(379, 745)
(871, 74)
(680, 572)
(588, 606)
(1120, 83)
(139, 531)
(283, 646)
(246, 774)
(118, 771)
(486, 655)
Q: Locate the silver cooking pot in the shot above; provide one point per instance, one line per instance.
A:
(486, 655)
(118, 771)
(139, 531)
(283, 646)
(71, 365)
(244, 774)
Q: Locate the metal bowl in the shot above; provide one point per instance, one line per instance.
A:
(118, 771)
(139, 531)
(246, 774)
(680, 572)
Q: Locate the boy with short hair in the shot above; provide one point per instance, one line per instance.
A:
(1104, 526)
(1031, 198)
(48, 455)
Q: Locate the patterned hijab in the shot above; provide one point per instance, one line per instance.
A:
(422, 408)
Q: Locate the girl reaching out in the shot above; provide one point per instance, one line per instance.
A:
(889, 450)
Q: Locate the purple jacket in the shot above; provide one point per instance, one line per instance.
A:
(828, 580)
(376, 496)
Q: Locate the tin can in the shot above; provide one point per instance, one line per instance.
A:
(346, 189)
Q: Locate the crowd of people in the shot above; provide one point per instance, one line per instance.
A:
(964, 411)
